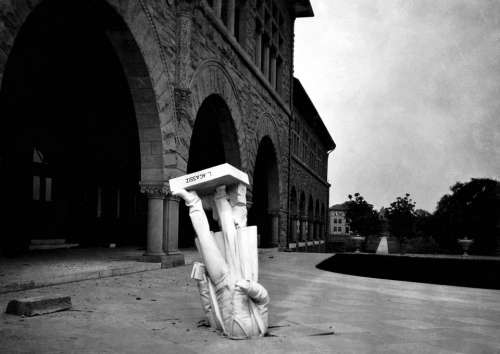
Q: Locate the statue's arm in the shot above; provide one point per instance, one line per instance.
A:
(213, 259)
(254, 290)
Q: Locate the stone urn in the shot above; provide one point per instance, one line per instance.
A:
(357, 242)
(465, 243)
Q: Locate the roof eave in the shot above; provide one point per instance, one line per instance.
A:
(303, 8)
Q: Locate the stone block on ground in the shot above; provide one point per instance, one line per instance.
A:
(38, 305)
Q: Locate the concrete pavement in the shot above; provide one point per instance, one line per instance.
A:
(45, 268)
(312, 311)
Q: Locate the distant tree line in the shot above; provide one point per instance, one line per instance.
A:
(472, 210)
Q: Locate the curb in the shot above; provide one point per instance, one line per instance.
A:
(70, 278)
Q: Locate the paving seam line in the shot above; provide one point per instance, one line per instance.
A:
(71, 278)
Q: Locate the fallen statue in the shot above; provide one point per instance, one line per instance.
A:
(234, 302)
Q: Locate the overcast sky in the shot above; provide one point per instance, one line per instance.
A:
(409, 90)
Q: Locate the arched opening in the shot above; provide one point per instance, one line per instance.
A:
(213, 142)
(265, 194)
(302, 217)
(70, 139)
(316, 221)
(310, 218)
(324, 223)
(293, 216)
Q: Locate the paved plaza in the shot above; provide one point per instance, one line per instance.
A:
(312, 311)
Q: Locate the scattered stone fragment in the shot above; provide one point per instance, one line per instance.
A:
(38, 305)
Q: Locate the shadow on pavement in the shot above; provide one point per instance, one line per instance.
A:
(459, 271)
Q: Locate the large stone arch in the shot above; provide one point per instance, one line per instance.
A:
(265, 211)
(266, 126)
(211, 78)
(144, 62)
(136, 41)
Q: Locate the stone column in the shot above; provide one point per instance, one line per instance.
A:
(171, 225)
(218, 8)
(275, 227)
(171, 231)
(231, 8)
(155, 194)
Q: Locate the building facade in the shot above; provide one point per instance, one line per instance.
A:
(310, 145)
(339, 225)
(103, 101)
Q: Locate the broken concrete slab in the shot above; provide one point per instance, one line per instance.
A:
(38, 305)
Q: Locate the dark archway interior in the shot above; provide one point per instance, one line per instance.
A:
(302, 214)
(293, 216)
(310, 219)
(70, 146)
(265, 192)
(213, 142)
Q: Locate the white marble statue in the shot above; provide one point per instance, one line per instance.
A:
(233, 301)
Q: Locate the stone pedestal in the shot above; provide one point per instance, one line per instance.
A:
(383, 246)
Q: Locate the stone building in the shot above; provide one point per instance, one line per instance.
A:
(103, 101)
(338, 220)
(310, 145)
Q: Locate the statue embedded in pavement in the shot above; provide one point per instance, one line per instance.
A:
(233, 300)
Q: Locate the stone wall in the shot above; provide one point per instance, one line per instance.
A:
(184, 54)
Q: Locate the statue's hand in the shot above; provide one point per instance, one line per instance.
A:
(254, 290)
(243, 285)
(189, 197)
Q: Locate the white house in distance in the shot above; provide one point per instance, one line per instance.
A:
(338, 220)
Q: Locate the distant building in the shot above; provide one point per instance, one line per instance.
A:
(310, 144)
(339, 224)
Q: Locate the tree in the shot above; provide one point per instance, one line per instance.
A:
(401, 216)
(362, 217)
(424, 223)
(470, 210)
